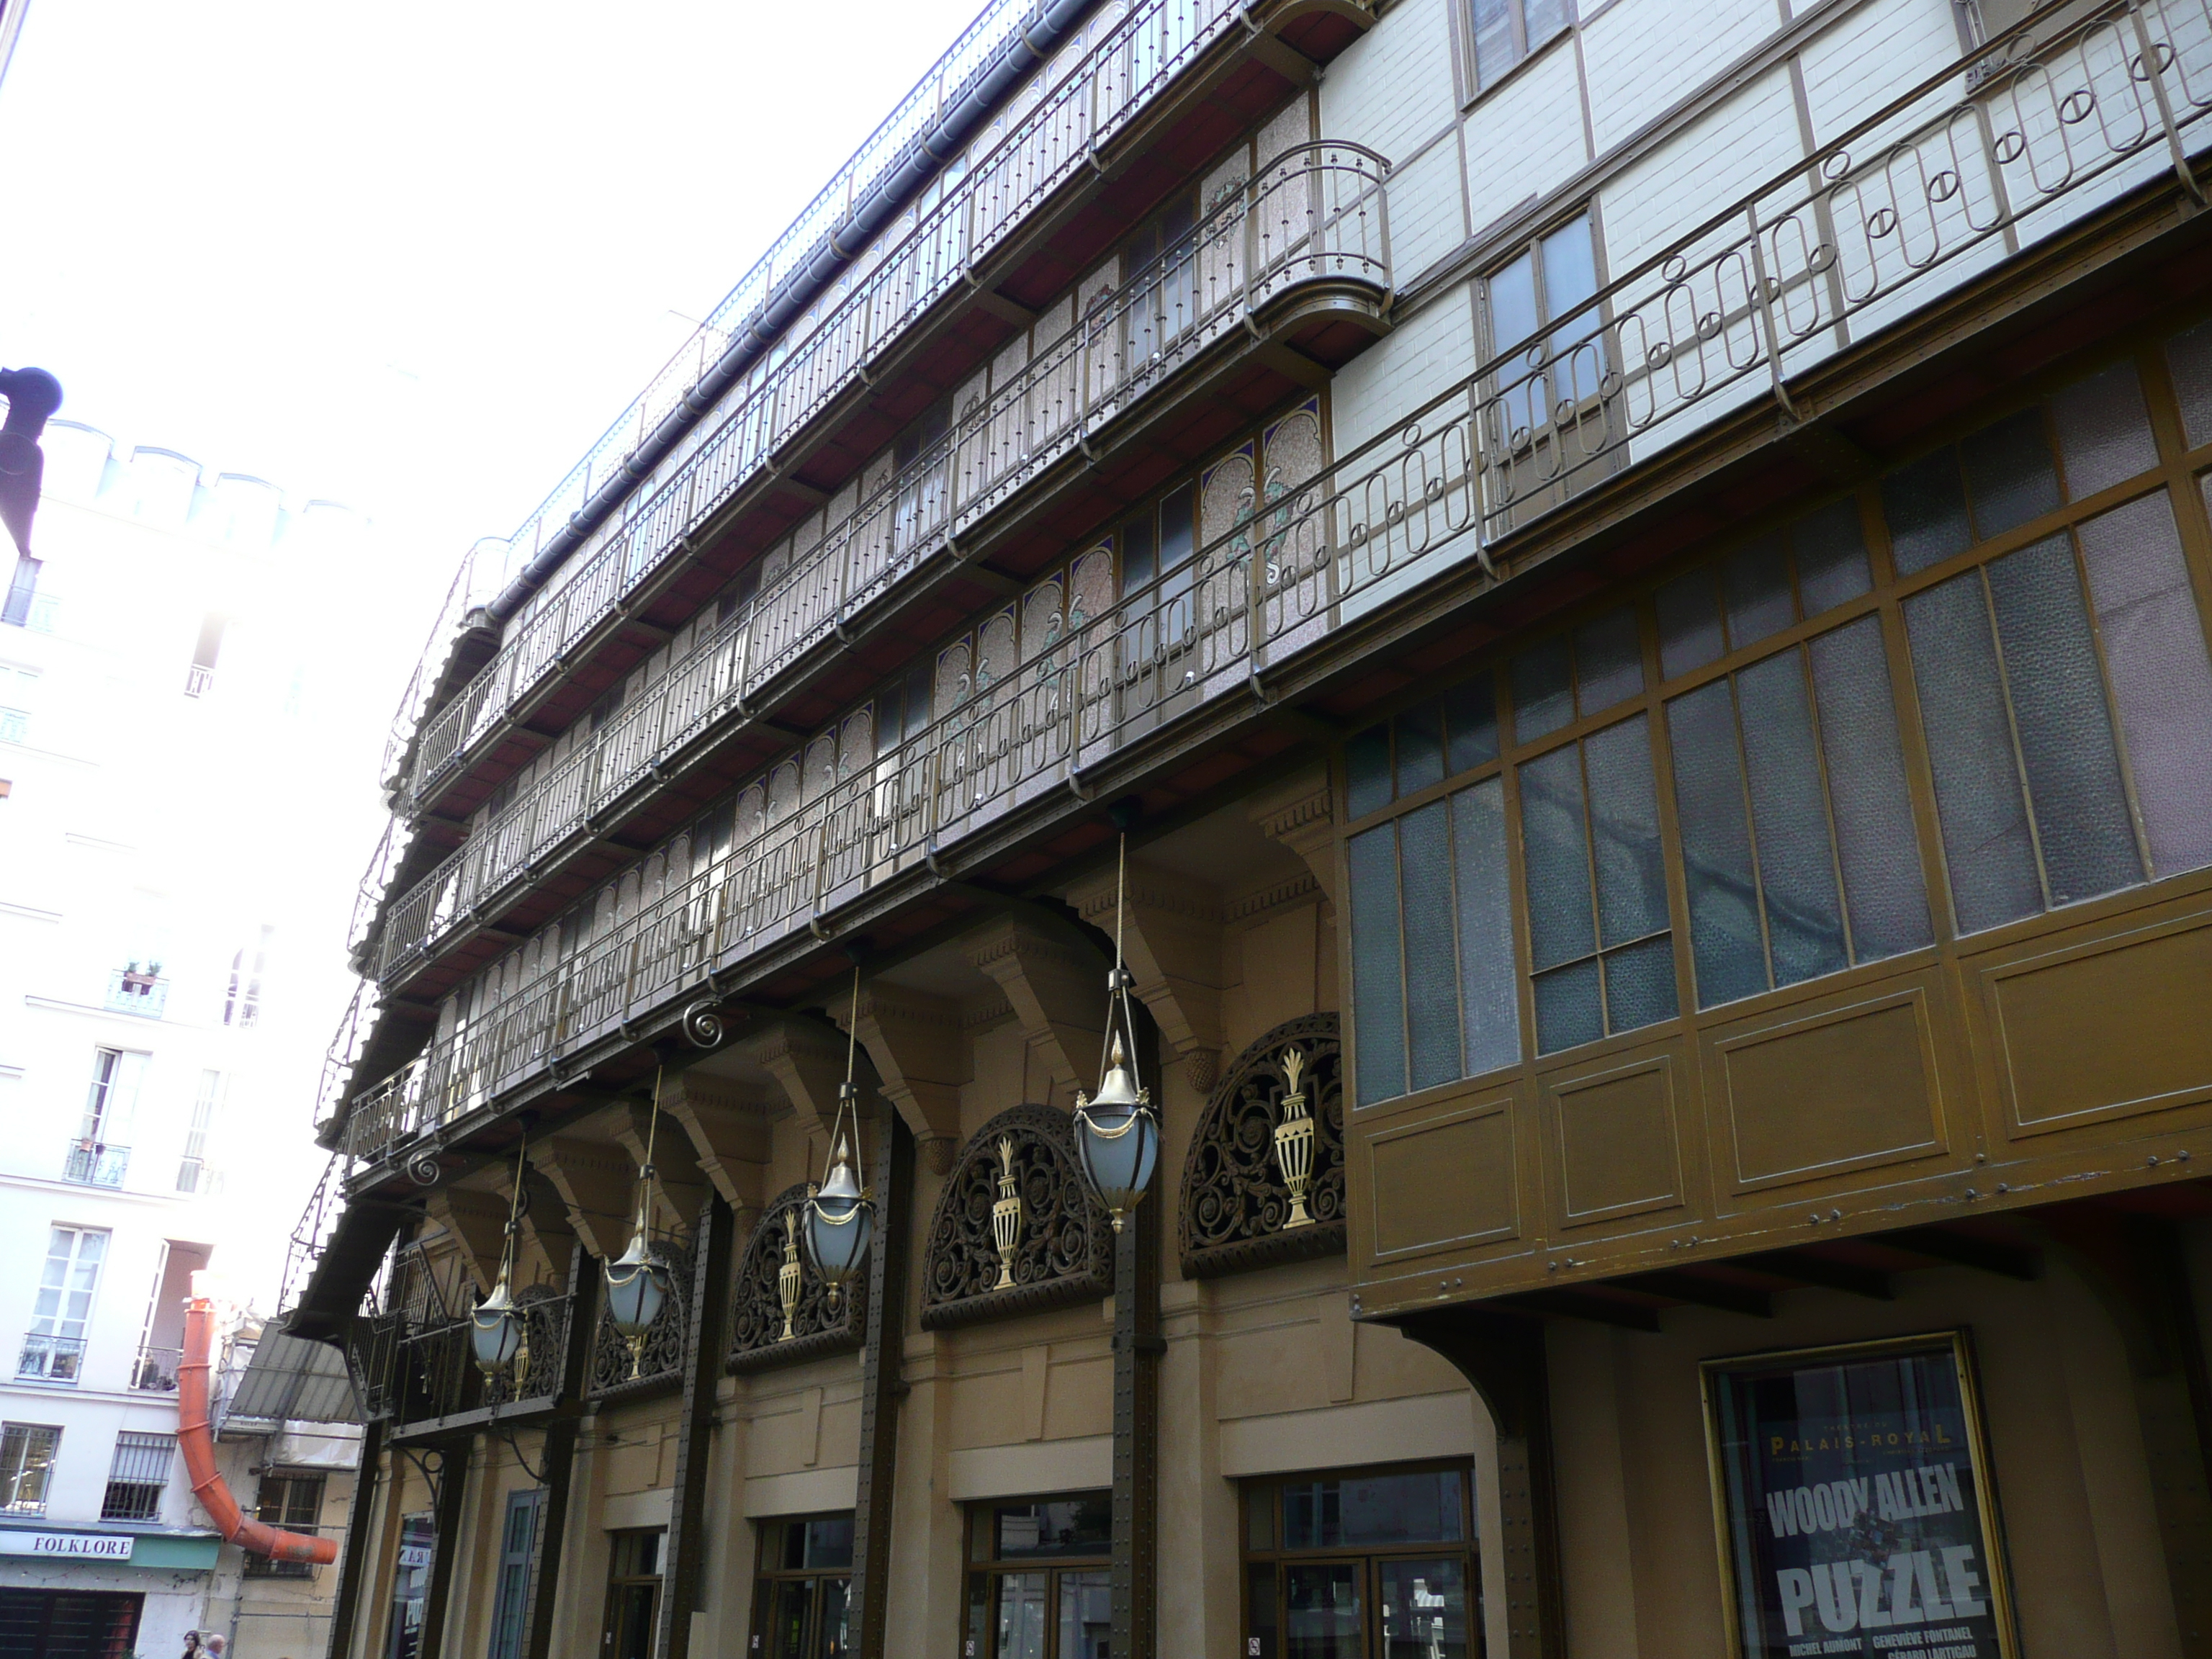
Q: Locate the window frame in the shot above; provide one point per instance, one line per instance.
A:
(18, 1441)
(1370, 1558)
(1473, 90)
(1491, 349)
(768, 1532)
(988, 1571)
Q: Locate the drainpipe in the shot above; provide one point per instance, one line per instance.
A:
(197, 1435)
(1055, 21)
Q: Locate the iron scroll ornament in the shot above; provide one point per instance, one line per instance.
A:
(1237, 1203)
(659, 1364)
(1060, 1243)
(756, 1312)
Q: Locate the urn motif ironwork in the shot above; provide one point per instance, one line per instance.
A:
(1007, 1215)
(1294, 1140)
(788, 1276)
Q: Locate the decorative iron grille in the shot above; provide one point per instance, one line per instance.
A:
(1059, 1248)
(1238, 1209)
(758, 1315)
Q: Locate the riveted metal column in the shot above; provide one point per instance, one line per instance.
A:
(454, 1458)
(360, 1525)
(560, 1455)
(1138, 1346)
(704, 1339)
(882, 1388)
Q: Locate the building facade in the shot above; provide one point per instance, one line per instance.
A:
(1607, 609)
(143, 1031)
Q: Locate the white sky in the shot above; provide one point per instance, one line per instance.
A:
(413, 258)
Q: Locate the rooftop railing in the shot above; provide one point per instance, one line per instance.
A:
(1317, 214)
(1849, 240)
(890, 287)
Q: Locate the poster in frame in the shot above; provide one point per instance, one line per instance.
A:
(1852, 1503)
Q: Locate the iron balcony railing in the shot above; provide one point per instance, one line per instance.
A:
(1849, 238)
(154, 1369)
(368, 895)
(51, 1359)
(130, 992)
(419, 1373)
(94, 1163)
(1316, 214)
(890, 287)
(347, 1042)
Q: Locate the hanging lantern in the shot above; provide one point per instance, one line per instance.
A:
(637, 1280)
(499, 1340)
(841, 1212)
(1117, 1133)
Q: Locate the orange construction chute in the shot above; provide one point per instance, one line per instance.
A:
(256, 1536)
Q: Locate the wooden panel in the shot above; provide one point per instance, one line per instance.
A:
(2108, 1027)
(1840, 1090)
(1616, 1140)
(1446, 1180)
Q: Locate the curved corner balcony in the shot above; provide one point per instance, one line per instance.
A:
(1300, 255)
(1064, 135)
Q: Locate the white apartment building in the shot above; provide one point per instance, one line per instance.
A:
(145, 1037)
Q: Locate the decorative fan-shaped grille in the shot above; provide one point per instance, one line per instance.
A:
(1063, 1244)
(1237, 1202)
(757, 1339)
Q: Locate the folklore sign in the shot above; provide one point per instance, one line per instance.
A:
(1851, 1490)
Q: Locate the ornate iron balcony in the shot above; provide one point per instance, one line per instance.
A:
(1315, 220)
(96, 1165)
(1704, 327)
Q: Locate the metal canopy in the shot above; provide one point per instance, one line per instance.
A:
(292, 1379)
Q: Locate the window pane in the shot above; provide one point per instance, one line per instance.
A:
(2161, 680)
(1494, 51)
(787, 1619)
(1570, 263)
(1367, 771)
(1086, 1615)
(1068, 1526)
(834, 1635)
(1322, 1616)
(1489, 997)
(1568, 1008)
(1926, 508)
(1420, 747)
(2189, 359)
(1639, 985)
(1512, 290)
(1755, 581)
(2009, 472)
(1260, 1518)
(1546, 18)
(1423, 1612)
(1379, 998)
(1260, 1610)
(1883, 892)
(1387, 1511)
(2104, 433)
(1832, 560)
(2065, 728)
(1631, 883)
(1431, 984)
(1471, 724)
(1021, 1616)
(1543, 689)
(1608, 661)
(1689, 624)
(1977, 796)
(1725, 943)
(1790, 815)
(1313, 1515)
(829, 1542)
(1553, 843)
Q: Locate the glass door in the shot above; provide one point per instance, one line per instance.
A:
(801, 1588)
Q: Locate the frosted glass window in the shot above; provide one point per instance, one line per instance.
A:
(1799, 856)
(1597, 667)
(1601, 953)
(1378, 984)
(1440, 738)
(2104, 432)
(2189, 360)
(1810, 567)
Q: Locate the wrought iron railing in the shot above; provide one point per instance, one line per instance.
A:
(317, 1222)
(1316, 214)
(352, 1035)
(1850, 240)
(130, 992)
(425, 1373)
(94, 1163)
(823, 355)
(154, 1369)
(51, 1359)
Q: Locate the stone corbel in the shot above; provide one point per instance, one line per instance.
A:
(1058, 992)
(598, 1186)
(1300, 815)
(727, 1125)
(477, 1222)
(807, 1058)
(1171, 940)
(548, 1239)
(914, 1040)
